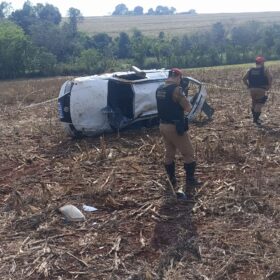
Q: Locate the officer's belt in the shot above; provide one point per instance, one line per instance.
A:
(167, 122)
(259, 87)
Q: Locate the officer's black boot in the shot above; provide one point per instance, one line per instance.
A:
(191, 181)
(170, 170)
(253, 113)
(256, 118)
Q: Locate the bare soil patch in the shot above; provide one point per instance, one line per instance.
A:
(229, 230)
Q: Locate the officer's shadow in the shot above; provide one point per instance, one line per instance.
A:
(175, 234)
(271, 130)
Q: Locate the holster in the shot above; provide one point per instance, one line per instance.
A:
(181, 126)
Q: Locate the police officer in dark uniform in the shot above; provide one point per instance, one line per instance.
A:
(258, 80)
(172, 105)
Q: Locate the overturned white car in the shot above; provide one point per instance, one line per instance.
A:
(93, 105)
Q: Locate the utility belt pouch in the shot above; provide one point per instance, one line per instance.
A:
(181, 126)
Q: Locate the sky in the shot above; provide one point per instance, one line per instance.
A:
(106, 7)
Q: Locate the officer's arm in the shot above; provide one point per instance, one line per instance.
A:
(245, 79)
(178, 96)
(269, 78)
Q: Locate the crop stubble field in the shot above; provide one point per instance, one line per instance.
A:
(171, 24)
(229, 230)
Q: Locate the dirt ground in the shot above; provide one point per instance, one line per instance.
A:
(229, 229)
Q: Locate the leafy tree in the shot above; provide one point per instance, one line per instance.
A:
(4, 9)
(218, 32)
(232, 54)
(85, 40)
(30, 15)
(161, 35)
(50, 37)
(89, 60)
(138, 10)
(47, 63)
(75, 16)
(41, 63)
(13, 46)
(276, 49)
(163, 10)
(102, 41)
(103, 44)
(25, 17)
(48, 13)
(192, 12)
(151, 12)
(73, 43)
(124, 46)
(139, 47)
(156, 50)
(185, 44)
(218, 38)
(245, 39)
(273, 43)
(172, 11)
(120, 10)
(92, 61)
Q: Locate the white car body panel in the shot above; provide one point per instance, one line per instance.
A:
(144, 100)
(85, 107)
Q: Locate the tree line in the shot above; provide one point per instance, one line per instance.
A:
(122, 10)
(35, 42)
